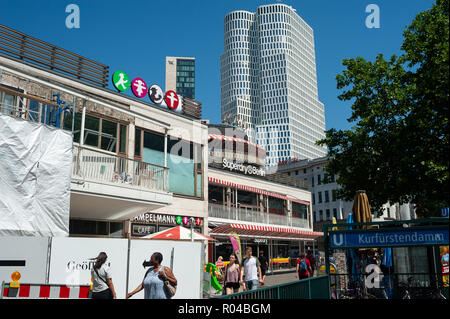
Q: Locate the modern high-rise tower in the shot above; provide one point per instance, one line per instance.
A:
(180, 76)
(269, 81)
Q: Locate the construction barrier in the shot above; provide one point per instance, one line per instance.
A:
(36, 291)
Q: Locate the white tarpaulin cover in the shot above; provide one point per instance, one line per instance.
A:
(35, 174)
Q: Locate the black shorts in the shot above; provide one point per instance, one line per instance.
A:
(105, 294)
(263, 272)
(233, 285)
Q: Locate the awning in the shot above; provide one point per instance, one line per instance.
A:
(263, 231)
(255, 190)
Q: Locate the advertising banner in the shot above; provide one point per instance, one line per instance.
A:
(71, 260)
(444, 263)
(388, 238)
(27, 255)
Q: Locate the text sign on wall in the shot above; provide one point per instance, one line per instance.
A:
(387, 238)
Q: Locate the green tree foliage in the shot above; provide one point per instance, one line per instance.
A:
(398, 150)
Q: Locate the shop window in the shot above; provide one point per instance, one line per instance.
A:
(67, 125)
(246, 198)
(108, 136)
(184, 160)
(137, 143)
(276, 206)
(123, 139)
(7, 103)
(95, 228)
(215, 194)
(91, 130)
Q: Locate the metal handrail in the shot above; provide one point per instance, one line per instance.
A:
(94, 165)
(242, 214)
(310, 288)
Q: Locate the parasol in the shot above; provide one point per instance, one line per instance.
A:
(361, 208)
(178, 233)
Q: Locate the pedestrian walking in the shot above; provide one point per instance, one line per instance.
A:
(303, 267)
(102, 285)
(312, 262)
(231, 277)
(154, 278)
(264, 266)
(251, 270)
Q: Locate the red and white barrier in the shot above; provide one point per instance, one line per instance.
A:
(37, 291)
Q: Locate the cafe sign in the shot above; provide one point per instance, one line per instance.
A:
(140, 89)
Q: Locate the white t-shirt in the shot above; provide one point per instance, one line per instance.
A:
(98, 284)
(251, 268)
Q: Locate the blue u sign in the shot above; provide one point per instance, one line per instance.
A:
(444, 212)
(407, 237)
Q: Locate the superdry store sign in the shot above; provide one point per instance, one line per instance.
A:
(140, 89)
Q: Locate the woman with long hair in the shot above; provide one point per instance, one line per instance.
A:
(103, 287)
(232, 273)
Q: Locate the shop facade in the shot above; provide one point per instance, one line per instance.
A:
(268, 215)
(132, 156)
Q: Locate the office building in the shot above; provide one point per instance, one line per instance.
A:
(180, 76)
(269, 81)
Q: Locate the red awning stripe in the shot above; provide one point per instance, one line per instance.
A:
(255, 190)
(265, 231)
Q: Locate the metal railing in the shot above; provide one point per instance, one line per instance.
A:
(390, 286)
(255, 216)
(24, 47)
(98, 166)
(310, 288)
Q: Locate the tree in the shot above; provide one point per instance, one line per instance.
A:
(398, 149)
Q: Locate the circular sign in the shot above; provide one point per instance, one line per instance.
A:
(172, 100)
(198, 221)
(185, 220)
(121, 81)
(139, 87)
(179, 220)
(156, 94)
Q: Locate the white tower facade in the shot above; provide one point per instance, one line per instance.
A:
(269, 81)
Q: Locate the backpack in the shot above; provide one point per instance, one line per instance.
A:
(303, 265)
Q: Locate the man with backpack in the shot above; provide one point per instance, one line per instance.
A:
(303, 267)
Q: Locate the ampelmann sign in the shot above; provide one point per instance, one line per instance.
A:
(389, 238)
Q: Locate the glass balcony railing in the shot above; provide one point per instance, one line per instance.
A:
(98, 166)
(254, 216)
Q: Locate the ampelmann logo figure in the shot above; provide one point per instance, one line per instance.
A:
(122, 81)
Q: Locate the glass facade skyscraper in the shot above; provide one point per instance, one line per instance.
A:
(268, 80)
(180, 76)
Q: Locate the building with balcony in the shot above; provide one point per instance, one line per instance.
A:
(137, 167)
(266, 213)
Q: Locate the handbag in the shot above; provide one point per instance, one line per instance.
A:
(110, 294)
(170, 288)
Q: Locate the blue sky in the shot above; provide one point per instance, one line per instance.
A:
(136, 36)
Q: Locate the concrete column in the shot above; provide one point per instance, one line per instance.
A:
(83, 119)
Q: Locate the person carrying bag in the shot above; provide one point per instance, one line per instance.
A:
(103, 287)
